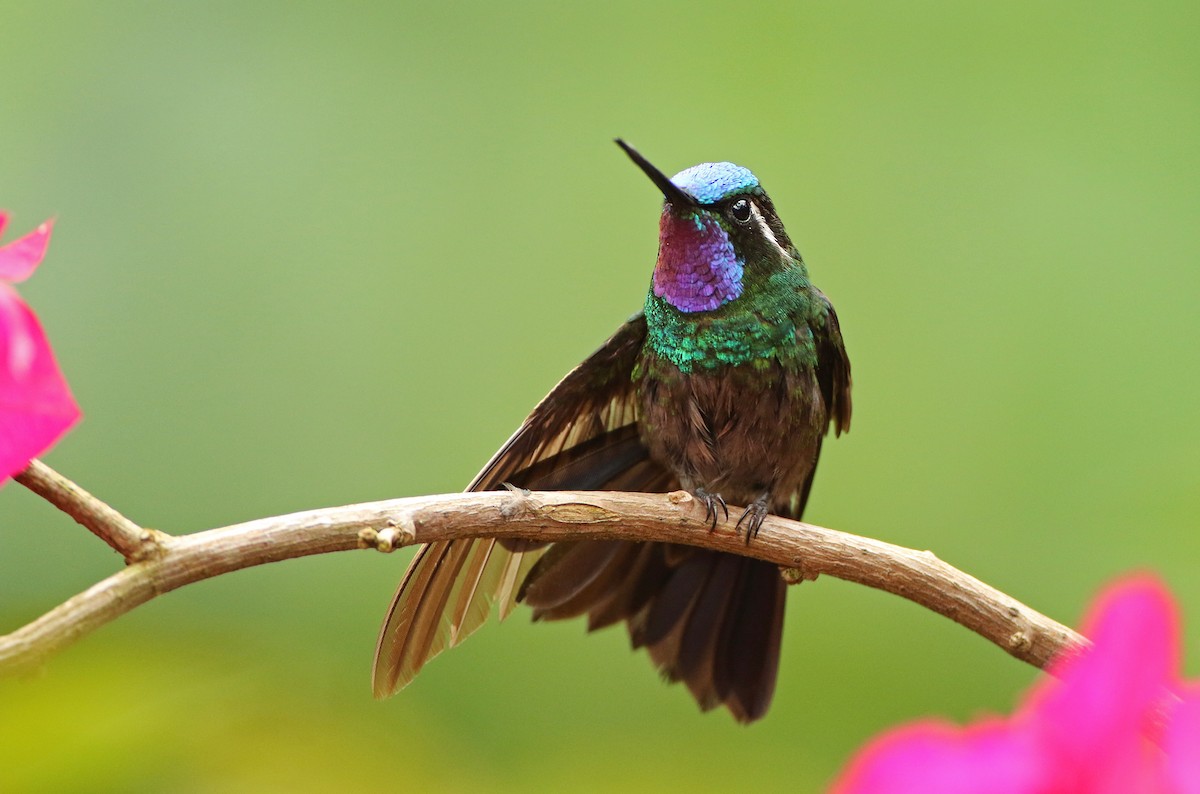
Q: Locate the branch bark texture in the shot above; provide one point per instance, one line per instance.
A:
(804, 551)
(125, 537)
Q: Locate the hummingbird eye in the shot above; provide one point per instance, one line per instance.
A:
(740, 210)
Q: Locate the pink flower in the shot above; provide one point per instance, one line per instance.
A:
(1115, 719)
(36, 406)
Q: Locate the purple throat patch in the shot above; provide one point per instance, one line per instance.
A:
(697, 269)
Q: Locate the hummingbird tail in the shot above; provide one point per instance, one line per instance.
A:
(445, 595)
(711, 620)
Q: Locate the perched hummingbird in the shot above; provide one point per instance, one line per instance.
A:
(725, 384)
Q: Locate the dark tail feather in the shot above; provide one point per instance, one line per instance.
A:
(580, 575)
(748, 658)
(701, 642)
(640, 581)
(711, 620)
(669, 611)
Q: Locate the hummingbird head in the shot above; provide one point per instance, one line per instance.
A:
(718, 228)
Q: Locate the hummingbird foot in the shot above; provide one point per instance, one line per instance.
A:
(754, 516)
(713, 504)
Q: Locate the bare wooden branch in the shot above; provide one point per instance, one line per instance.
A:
(127, 538)
(804, 551)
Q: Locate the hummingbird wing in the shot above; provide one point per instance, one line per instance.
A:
(582, 435)
(833, 378)
(833, 370)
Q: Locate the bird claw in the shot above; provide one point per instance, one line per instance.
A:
(713, 503)
(753, 517)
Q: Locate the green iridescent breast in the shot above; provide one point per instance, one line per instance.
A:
(771, 323)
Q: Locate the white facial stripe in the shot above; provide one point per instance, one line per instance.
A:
(766, 229)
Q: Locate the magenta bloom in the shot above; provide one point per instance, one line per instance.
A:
(36, 406)
(1115, 719)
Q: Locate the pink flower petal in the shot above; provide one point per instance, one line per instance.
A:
(36, 407)
(21, 257)
(937, 758)
(1102, 705)
(1182, 743)
(1094, 730)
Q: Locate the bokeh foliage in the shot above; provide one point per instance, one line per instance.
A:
(312, 254)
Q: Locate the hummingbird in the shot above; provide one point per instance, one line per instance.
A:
(725, 385)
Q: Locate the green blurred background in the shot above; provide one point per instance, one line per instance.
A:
(312, 254)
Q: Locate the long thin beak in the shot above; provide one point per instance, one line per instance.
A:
(669, 189)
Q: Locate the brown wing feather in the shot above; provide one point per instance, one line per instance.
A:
(595, 397)
(449, 587)
(833, 371)
(833, 378)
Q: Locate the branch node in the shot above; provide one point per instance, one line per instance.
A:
(370, 538)
(388, 539)
(151, 545)
(797, 574)
(397, 532)
(1020, 641)
(679, 497)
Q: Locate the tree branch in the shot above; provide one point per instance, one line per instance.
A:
(804, 551)
(127, 538)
